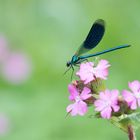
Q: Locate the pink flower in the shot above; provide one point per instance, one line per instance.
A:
(107, 102)
(79, 106)
(132, 97)
(88, 72)
(17, 68)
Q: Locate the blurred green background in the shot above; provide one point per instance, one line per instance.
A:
(50, 31)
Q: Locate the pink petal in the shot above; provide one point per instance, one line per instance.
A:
(89, 79)
(108, 94)
(73, 92)
(86, 72)
(133, 105)
(101, 71)
(115, 108)
(138, 102)
(106, 113)
(85, 93)
(102, 74)
(82, 108)
(127, 95)
(69, 108)
(72, 109)
(104, 95)
(103, 64)
(134, 86)
(137, 95)
(77, 108)
(90, 64)
(114, 95)
(99, 105)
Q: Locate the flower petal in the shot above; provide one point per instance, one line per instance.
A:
(128, 96)
(101, 71)
(85, 93)
(72, 109)
(115, 108)
(77, 108)
(139, 102)
(73, 92)
(134, 86)
(114, 95)
(106, 113)
(133, 105)
(99, 105)
(86, 72)
(103, 64)
(104, 95)
(69, 108)
(82, 108)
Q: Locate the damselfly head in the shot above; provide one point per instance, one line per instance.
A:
(68, 63)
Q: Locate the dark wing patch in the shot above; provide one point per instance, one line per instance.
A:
(95, 34)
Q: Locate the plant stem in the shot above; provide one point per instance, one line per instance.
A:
(131, 133)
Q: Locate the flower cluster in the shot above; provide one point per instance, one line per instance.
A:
(89, 91)
(89, 72)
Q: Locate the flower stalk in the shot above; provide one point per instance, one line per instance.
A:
(131, 133)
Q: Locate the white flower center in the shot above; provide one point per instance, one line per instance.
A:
(94, 70)
(77, 99)
(137, 94)
(107, 103)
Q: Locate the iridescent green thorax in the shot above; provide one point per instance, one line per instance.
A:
(74, 59)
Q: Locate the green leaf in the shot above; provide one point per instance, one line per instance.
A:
(123, 121)
(132, 119)
(116, 121)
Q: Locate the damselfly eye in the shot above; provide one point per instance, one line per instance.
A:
(68, 64)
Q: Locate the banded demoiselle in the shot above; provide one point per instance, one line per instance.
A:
(93, 38)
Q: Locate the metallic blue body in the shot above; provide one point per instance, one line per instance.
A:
(93, 38)
(78, 59)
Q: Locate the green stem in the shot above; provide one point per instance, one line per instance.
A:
(131, 133)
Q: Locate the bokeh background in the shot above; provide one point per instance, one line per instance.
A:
(36, 40)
